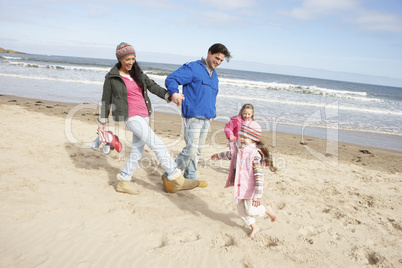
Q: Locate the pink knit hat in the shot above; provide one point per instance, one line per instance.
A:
(123, 50)
(251, 130)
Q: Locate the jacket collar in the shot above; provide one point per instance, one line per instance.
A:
(115, 71)
(205, 64)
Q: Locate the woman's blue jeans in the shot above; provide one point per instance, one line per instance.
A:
(143, 134)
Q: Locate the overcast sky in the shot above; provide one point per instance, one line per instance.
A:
(352, 36)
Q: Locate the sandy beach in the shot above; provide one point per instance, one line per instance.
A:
(338, 204)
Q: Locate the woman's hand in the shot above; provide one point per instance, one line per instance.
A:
(101, 127)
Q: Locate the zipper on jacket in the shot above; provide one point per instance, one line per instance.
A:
(239, 172)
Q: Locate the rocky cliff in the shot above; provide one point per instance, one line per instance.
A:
(9, 51)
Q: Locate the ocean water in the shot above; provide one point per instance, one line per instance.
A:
(364, 114)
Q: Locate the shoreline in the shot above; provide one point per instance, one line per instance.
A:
(310, 147)
(388, 141)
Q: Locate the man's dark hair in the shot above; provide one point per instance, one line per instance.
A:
(219, 48)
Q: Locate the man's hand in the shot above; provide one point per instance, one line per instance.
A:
(177, 98)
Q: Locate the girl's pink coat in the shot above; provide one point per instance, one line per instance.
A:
(244, 183)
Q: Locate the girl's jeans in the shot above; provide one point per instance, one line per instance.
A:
(143, 134)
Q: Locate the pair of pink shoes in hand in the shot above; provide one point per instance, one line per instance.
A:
(111, 142)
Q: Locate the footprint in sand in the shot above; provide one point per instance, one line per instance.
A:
(332, 243)
(308, 232)
(344, 219)
(269, 241)
(395, 224)
(187, 236)
(182, 237)
(336, 235)
(366, 256)
(281, 206)
(311, 230)
(223, 240)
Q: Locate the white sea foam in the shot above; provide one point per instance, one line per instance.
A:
(311, 104)
(60, 67)
(11, 58)
(313, 90)
(48, 78)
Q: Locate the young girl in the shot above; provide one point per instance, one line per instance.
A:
(232, 128)
(246, 174)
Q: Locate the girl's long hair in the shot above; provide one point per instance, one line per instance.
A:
(135, 73)
(267, 157)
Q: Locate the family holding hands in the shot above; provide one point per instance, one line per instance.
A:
(125, 94)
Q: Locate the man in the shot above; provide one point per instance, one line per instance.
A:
(200, 88)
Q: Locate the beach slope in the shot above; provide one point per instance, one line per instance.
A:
(59, 207)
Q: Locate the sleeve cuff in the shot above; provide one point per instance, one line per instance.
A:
(167, 98)
(103, 120)
(257, 198)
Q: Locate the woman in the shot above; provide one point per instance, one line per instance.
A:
(125, 91)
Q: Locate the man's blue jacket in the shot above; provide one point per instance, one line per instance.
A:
(199, 88)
